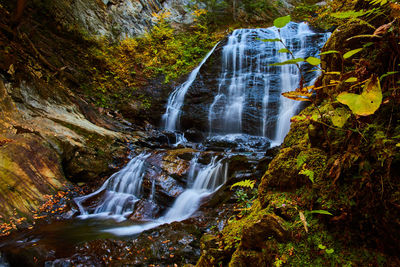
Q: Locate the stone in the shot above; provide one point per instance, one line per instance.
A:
(117, 19)
(256, 233)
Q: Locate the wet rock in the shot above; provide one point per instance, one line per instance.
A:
(238, 163)
(256, 233)
(145, 211)
(237, 143)
(192, 135)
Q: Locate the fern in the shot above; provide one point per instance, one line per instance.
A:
(378, 2)
(308, 173)
(244, 183)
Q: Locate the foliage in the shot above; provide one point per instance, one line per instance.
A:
(282, 21)
(245, 183)
(366, 103)
(308, 173)
(119, 69)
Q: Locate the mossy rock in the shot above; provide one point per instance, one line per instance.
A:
(244, 258)
(339, 41)
(286, 170)
(255, 233)
(298, 134)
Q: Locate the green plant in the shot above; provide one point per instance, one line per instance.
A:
(244, 183)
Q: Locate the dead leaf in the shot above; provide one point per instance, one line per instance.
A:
(382, 30)
(11, 70)
(303, 220)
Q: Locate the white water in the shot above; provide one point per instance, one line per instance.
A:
(120, 192)
(247, 96)
(245, 72)
(175, 100)
(208, 179)
(246, 82)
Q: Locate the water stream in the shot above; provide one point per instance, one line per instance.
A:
(246, 109)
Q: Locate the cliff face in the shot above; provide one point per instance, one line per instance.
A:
(117, 18)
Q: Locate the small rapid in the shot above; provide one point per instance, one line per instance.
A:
(207, 180)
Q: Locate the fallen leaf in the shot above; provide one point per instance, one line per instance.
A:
(303, 220)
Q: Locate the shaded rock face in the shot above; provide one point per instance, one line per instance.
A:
(44, 139)
(118, 18)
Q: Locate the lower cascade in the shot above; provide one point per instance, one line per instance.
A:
(243, 114)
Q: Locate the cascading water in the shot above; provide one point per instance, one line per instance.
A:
(207, 180)
(120, 192)
(239, 100)
(247, 93)
(247, 100)
(175, 100)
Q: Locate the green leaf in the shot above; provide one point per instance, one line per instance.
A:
(351, 80)
(340, 117)
(245, 183)
(300, 160)
(348, 14)
(398, 145)
(368, 44)
(330, 251)
(308, 173)
(366, 103)
(320, 246)
(282, 21)
(315, 117)
(351, 53)
(313, 61)
(387, 74)
(329, 52)
(380, 2)
(283, 50)
(321, 212)
(287, 62)
(269, 40)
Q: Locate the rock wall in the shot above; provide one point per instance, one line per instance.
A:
(43, 139)
(118, 18)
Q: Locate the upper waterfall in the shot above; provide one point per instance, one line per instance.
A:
(242, 93)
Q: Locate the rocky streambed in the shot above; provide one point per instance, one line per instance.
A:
(167, 174)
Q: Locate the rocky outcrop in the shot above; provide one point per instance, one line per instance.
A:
(118, 18)
(45, 139)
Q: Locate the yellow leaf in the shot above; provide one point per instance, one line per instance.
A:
(366, 103)
(298, 96)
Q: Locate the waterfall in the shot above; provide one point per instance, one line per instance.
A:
(175, 100)
(246, 92)
(249, 87)
(208, 179)
(245, 107)
(119, 193)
